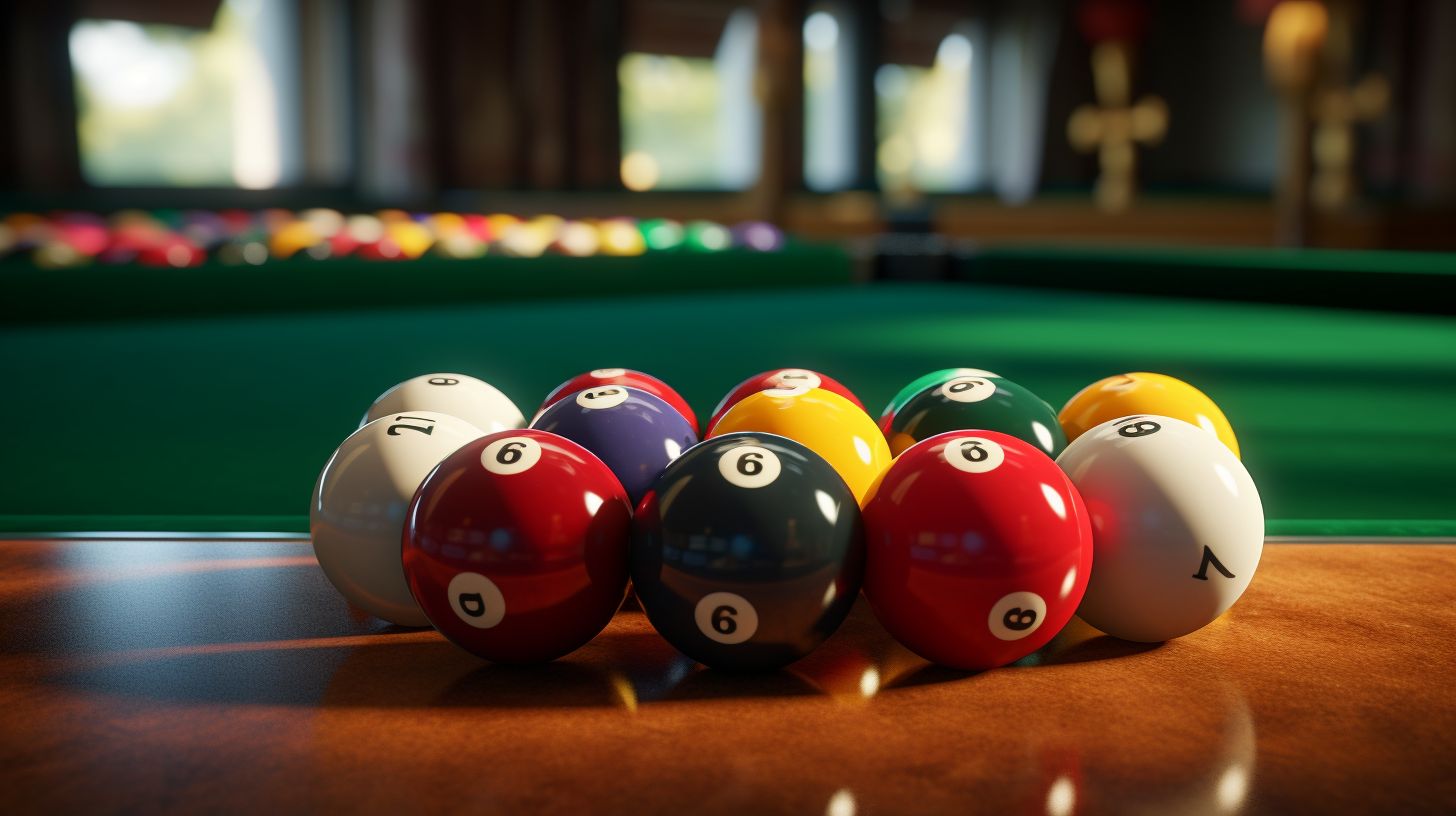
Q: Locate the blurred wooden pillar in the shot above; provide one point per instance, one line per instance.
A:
(594, 51)
(541, 36)
(780, 87)
(472, 66)
(525, 93)
(37, 100)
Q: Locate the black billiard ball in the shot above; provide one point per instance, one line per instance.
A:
(748, 552)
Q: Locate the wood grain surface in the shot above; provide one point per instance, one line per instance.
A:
(228, 677)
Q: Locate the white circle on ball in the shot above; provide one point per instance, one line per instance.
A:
(1017, 615)
(726, 617)
(602, 373)
(606, 396)
(974, 454)
(795, 377)
(786, 391)
(749, 466)
(476, 600)
(514, 454)
(968, 389)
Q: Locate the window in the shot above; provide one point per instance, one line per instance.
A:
(830, 122)
(162, 105)
(929, 122)
(693, 122)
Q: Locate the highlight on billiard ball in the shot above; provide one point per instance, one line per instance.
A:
(475, 401)
(780, 378)
(357, 512)
(748, 552)
(634, 433)
(621, 376)
(979, 549)
(919, 384)
(1177, 526)
(1144, 393)
(821, 420)
(515, 546)
(977, 402)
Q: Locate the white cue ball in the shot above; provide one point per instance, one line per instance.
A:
(1177, 526)
(475, 401)
(359, 502)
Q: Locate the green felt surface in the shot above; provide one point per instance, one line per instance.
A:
(1344, 417)
(100, 292)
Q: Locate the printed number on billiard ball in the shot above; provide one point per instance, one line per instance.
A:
(726, 617)
(604, 397)
(514, 454)
(424, 429)
(968, 389)
(749, 466)
(443, 381)
(797, 377)
(1137, 426)
(974, 454)
(1016, 615)
(476, 600)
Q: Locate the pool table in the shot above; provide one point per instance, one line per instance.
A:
(168, 642)
(220, 422)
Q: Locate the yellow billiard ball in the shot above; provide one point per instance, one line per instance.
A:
(1144, 393)
(820, 420)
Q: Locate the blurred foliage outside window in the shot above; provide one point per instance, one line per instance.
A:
(923, 122)
(693, 123)
(669, 122)
(161, 105)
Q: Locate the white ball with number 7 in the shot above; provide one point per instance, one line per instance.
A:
(1177, 526)
(475, 401)
(357, 514)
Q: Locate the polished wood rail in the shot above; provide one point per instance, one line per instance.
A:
(227, 676)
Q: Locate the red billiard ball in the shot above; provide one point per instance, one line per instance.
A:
(622, 376)
(515, 546)
(781, 378)
(979, 549)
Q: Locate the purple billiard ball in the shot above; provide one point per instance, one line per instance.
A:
(635, 433)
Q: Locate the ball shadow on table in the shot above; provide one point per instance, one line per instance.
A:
(1079, 642)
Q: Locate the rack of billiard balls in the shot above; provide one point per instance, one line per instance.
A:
(973, 526)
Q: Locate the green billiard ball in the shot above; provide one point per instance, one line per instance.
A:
(977, 402)
(707, 236)
(930, 380)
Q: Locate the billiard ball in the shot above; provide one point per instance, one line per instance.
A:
(622, 376)
(780, 378)
(979, 549)
(977, 402)
(1177, 526)
(1144, 393)
(919, 384)
(823, 421)
(467, 398)
(633, 432)
(515, 546)
(748, 552)
(358, 507)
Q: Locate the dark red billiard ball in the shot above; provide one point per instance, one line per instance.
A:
(979, 549)
(622, 376)
(783, 378)
(515, 546)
